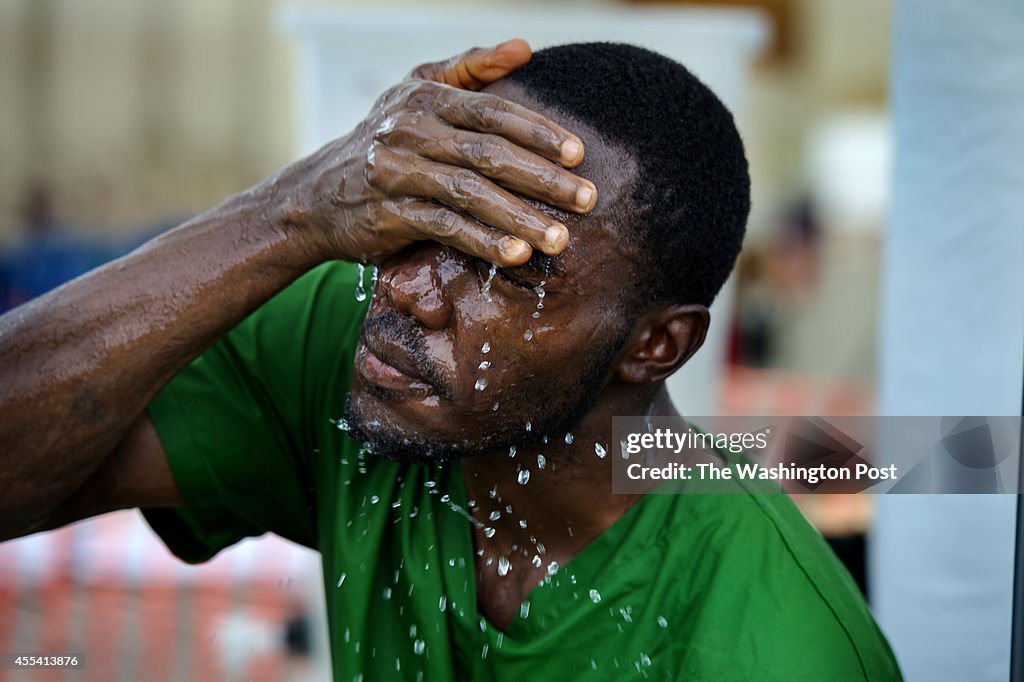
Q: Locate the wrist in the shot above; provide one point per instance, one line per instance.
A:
(284, 221)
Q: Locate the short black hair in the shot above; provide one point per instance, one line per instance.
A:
(689, 207)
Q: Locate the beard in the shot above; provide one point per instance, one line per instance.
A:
(565, 403)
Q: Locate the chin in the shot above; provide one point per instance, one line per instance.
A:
(388, 435)
(387, 432)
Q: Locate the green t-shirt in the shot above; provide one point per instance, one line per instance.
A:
(683, 587)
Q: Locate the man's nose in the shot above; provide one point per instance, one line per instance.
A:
(413, 282)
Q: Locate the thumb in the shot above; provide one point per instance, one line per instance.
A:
(476, 68)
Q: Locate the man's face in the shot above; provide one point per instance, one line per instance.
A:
(453, 362)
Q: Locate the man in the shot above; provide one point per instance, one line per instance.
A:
(442, 443)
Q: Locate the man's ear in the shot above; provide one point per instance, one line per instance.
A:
(662, 341)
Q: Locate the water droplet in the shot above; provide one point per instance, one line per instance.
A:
(418, 647)
(524, 609)
(504, 566)
(480, 384)
(341, 579)
(445, 498)
(535, 561)
(360, 291)
(553, 568)
(387, 593)
(544, 439)
(528, 334)
(485, 291)
(662, 622)
(522, 523)
(595, 596)
(486, 348)
(484, 365)
(494, 515)
(645, 660)
(484, 650)
(568, 439)
(529, 426)
(493, 492)
(374, 499)
(494, 407)
(430, 484)
(342, 424)
(524, 476)
(442, 603)
(512, 451)
(489, 532)
(541, 461)
(599, 450)
(535, 315)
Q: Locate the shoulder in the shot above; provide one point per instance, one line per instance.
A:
(765, 582)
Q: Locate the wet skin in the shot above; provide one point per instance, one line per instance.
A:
(418, 362)
(434, 297)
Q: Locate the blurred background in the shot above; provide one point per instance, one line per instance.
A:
(119, 119)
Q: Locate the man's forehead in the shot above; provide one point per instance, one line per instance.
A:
(609, 166)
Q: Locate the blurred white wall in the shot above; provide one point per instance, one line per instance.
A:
(953, 324)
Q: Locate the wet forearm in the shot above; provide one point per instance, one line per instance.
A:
(78, 365)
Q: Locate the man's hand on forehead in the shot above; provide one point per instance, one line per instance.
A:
(435, 160)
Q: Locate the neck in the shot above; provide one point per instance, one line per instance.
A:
(565, 503)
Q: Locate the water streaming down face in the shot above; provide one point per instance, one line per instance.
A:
(485, 290)
(360, 291)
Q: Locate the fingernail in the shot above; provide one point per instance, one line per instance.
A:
(512, 248)
(571, 151)
(556, 237)
(584, 195)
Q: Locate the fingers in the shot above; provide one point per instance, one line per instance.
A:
(486, 113)
(519, 170)
(404, 175)
(477, 67)
(431, 221)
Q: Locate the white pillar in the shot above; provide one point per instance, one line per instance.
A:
(953, 324)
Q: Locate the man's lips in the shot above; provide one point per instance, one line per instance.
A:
(389, 367)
